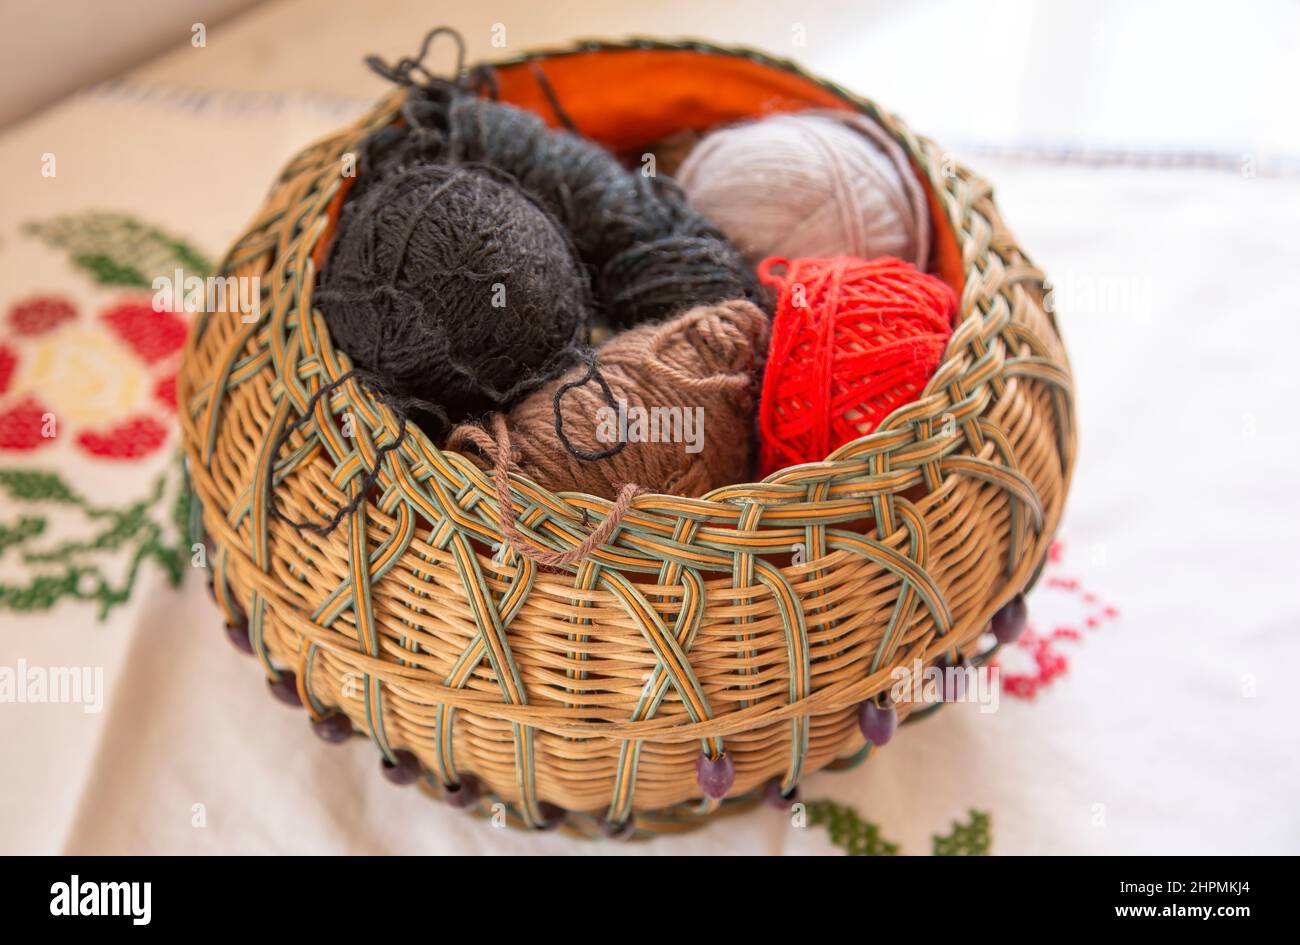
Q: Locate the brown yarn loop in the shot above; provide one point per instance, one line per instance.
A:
(515, 538)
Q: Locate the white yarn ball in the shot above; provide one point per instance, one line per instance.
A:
(810, 184)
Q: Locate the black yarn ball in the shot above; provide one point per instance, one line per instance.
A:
(650, 254)
(455, 287)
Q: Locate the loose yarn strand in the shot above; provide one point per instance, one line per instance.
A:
(593, 372)
(555, 559)
(400, 407)
(551, 98)
(402, 71)
(483, 78)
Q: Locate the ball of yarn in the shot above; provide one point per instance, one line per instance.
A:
(851, 341)
(454, 287)
(810, 184)
(669, 408)
(650, 253)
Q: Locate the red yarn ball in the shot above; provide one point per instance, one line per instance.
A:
(852, 340)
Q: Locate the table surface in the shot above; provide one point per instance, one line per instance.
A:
(1161, 202)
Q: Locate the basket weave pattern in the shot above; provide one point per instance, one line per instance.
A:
(753, 621)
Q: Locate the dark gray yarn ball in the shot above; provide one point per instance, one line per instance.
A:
(650, 254)
(455, 287)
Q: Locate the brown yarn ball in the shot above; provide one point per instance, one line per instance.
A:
(693, 379)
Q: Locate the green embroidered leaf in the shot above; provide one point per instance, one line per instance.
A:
(187, 513)
(108, 271)
(858, 837)
(29, 485)
(123, 526)
(117, 249)
(849, 832)
(29, 526)
(77, 567)
(973, 838)
(45, 590)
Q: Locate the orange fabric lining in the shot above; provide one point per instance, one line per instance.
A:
(945, 254)
(321, 251)
(624, 98)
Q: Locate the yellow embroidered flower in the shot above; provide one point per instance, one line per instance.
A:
(83, 374)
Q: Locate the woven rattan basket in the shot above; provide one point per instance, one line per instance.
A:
(751, 622)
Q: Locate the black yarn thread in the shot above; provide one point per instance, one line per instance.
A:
(593, 373)
(539, 74)
(403, 71)
(401, 407)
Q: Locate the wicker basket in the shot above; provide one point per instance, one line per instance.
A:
(584, 696)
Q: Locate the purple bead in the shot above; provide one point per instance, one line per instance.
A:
(773, 796)
(237, 634)
(715, 775)
(1009, 622)
(335, 727)
(404, 770)
(286, 688)
(618, 832)
(462, 796)
(878, 721)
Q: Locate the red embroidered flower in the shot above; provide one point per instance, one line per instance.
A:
(8, 362)
(129, 440)
(25, 426)
(39, 314)
(152, 335)
(165, 391)
(101, 380)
